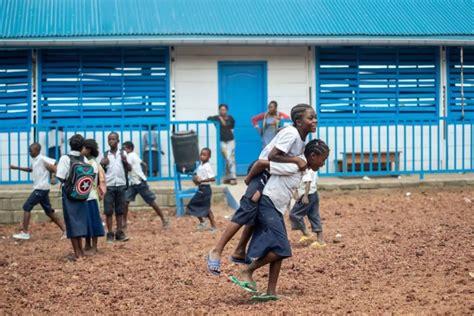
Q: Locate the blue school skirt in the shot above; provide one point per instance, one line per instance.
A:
(76, 217)
(247, 212)
(269, 233)
(94, 227)
(200, 204)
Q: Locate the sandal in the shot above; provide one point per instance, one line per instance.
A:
(264, 298)
(305, 240)
(318, 244)
(240, 261)
(247, 286)
(213, 266)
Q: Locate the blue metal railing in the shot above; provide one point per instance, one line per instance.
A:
(395, 147)
(358, 147)
(15, 141)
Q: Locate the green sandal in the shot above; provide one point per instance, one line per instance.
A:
(264, 298)
(247, 286)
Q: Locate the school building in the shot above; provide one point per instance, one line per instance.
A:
(392, 82)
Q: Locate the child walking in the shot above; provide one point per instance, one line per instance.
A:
(270, 244)
(284, 148)
(95, 228)
(76, 215)
(139, 185)
(117, 167)
(40, 169)
(200, 204)
(307, 204)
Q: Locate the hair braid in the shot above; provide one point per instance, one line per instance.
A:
(316, 146)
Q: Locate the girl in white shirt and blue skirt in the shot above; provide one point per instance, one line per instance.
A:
(270, 244)
(200, 204)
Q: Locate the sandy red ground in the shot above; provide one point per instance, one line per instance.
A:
(398, 254)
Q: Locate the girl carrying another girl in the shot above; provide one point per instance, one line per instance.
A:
(270, 244)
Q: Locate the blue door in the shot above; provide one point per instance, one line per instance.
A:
(243, 87)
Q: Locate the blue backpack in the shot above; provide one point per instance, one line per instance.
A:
(80, 181)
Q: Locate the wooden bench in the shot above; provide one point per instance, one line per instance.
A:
(388, 161)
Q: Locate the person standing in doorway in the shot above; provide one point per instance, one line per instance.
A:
(270, 122)
(227, 124)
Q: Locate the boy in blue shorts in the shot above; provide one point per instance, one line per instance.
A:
(138, 185)
(40, 167)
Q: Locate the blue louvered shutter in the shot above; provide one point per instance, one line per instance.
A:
(15, 87)
(104, 85)
(454, 82)
(377, 82)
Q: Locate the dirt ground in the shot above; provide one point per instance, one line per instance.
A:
(399, 252)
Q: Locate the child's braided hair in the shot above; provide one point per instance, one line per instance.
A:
(298, 110)
(316, 146)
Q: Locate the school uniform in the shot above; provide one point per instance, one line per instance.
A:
(289, 141)
(41, 185)
(94, 227)
(200, 204)
(116, 178)
(137, 181)
(76, 215)
(54, 148)
(269, 230)
(300, 210)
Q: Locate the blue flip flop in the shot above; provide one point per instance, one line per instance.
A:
(240, 261)
(213, 266)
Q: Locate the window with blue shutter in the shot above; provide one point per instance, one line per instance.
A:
(104, 85)
(376, 82)
(456, 84)
(15, 87)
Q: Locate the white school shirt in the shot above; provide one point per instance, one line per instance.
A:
(205, 172)
(52, 138)
(115, 175)
(285, 178)
(310, 176)
(288, 140)
(64, 164)
(136, 176)
(93, 194)
(40, 174)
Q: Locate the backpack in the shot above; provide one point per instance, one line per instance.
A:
(121, 151)
(80, 180)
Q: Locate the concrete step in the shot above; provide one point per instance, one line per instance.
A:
(12, 200)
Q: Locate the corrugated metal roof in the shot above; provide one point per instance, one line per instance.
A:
(288, 18)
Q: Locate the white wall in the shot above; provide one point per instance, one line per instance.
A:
(195, 76)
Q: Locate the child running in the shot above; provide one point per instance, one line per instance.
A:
(138, 185)
(40, 168)
(95, 227)
(270, 244)
(200, 204)
(284, 148)
(116, 169)
(307, 204)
